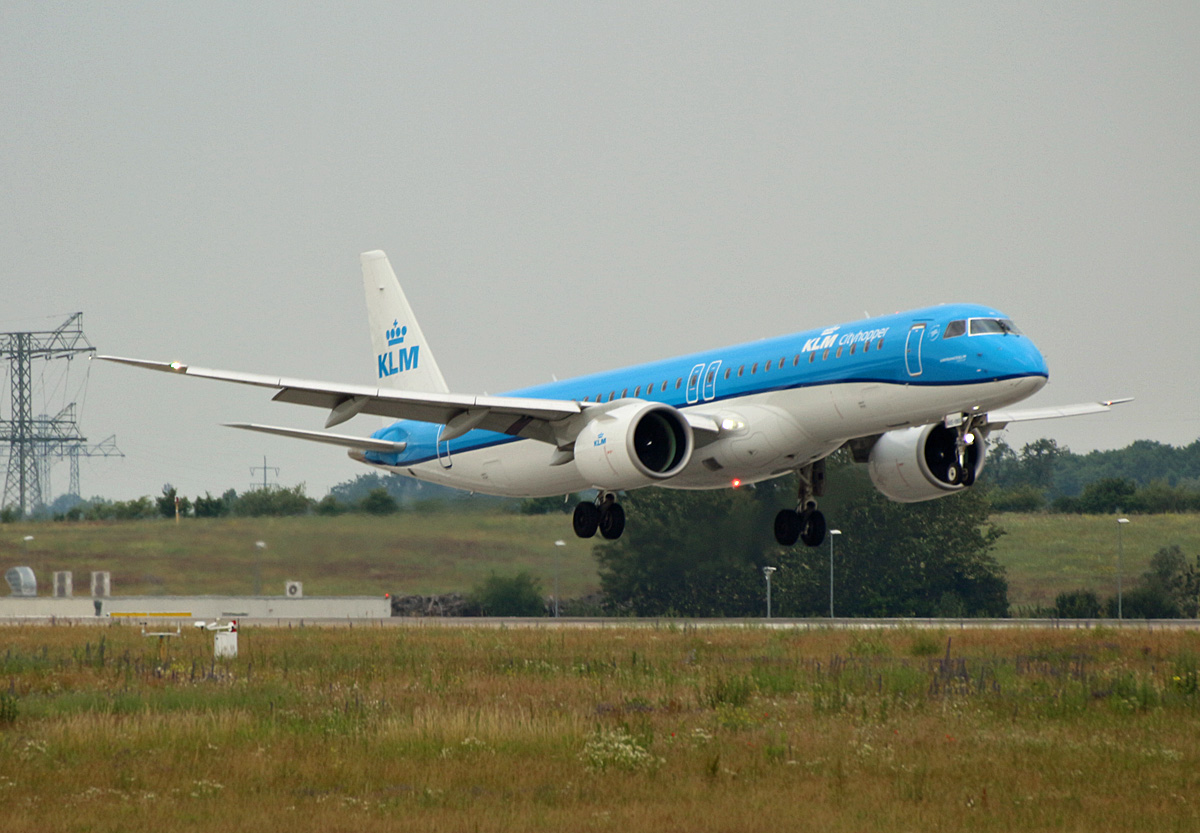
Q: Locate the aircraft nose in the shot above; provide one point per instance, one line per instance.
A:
(1019, 356)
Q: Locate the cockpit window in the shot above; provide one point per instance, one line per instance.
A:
(954, 329)
(993, 326)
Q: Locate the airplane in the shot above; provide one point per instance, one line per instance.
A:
(913, 395)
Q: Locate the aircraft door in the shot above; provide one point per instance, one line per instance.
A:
(693, 386)
(912, 349)
(710, 381)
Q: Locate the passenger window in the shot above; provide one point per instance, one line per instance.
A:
(664, 387)
(728, 370)
(741, 370)
(712, 374)
(768, 367)
(585, 399)
(955, 329)
(852, 346)
(782, 359)
(612, 394)
(753, 368)
(624, 393)
(866, 346)
(825, 355)
(879, 344)
(637, 391)
(812, 356)
(796, 361)
(679, 383)
(838, 354)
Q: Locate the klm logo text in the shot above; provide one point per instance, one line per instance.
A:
(401, 359)
(397, 361)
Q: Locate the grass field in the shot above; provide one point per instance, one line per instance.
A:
(440, 551)
(626, 729)
(408, 554)
(1045, 555)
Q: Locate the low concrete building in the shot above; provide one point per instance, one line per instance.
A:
(197, 607)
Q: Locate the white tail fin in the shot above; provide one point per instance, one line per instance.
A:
(403, 359)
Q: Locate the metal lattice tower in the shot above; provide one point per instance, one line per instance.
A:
(31, 440)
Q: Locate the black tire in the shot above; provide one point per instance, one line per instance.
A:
(787, 527)
(586, 519)
(812, 531)
(968, 475)
(612, 521)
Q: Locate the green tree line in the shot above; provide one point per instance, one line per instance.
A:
(1145, 477)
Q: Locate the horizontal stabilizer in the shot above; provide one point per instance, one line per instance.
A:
(364, 443)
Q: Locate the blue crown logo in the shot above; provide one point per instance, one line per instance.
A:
(396, 333)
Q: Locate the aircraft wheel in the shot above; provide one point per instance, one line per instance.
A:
(812, 531)
(953, 474)
(586, 519)
(612, 521)
(787, 527)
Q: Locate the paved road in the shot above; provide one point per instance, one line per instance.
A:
(159, 623)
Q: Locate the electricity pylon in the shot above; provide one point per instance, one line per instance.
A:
(31, 439)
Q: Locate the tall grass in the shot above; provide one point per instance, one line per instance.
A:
(620, 728)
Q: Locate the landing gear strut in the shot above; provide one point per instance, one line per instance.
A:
(605, 515)
(805, 522)
(961, 471)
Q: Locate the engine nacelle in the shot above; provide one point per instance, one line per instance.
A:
(915, 464)
(633, 445)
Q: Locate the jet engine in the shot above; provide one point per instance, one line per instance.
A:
(633, 445)
(915, 464)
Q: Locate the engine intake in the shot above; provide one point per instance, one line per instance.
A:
(633, 445)
(916, 464)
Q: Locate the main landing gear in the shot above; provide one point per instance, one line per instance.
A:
(805, 522)
(605, 515)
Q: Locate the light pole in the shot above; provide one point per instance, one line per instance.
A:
(1120, 565)
(832, 533)
(767, 575)
(259, 546)
(558, 545)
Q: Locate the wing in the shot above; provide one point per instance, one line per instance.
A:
(518, 416)
(998, 419)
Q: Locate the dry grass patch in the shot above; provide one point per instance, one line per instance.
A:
(616, 729)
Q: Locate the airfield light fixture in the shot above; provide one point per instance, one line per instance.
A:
(1120, 566)
(558, 545)
(832, 533)
(767, 575)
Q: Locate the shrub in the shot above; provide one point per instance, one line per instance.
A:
(1077, 604)
(518, 595)
(379, 502)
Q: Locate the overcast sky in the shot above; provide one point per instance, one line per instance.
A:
(568, 187)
